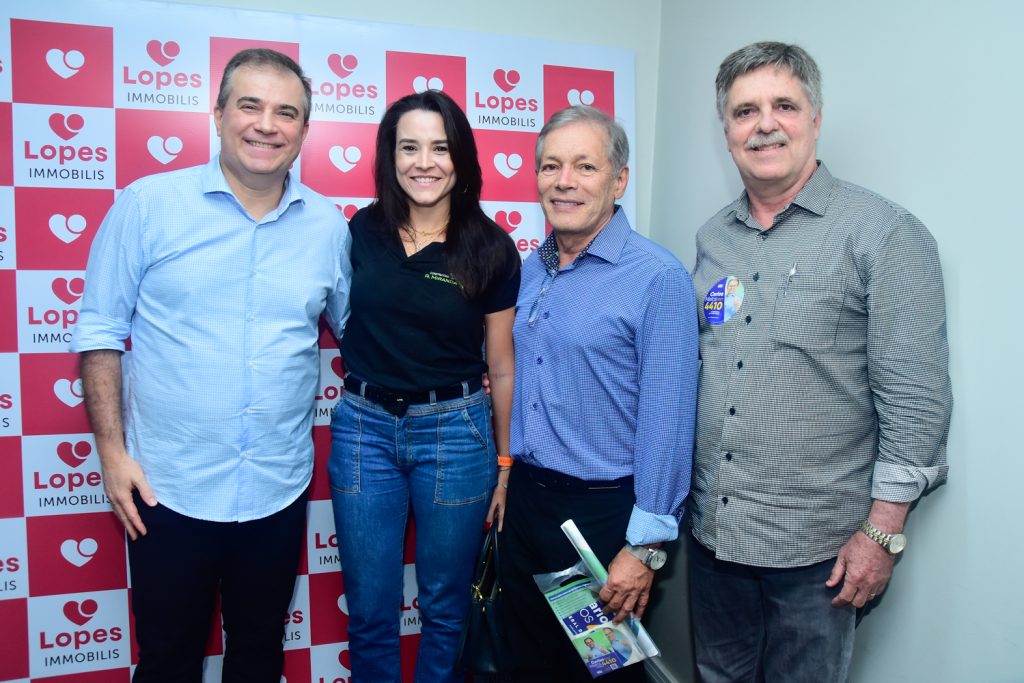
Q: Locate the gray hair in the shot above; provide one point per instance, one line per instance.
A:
(780, 55)
(617, 148)
(262, 57)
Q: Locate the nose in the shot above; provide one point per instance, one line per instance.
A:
(266, 123)
(566, 177)
(424, 158)
(766, 122)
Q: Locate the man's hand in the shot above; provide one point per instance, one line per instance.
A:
(864, 568)
(121, 476)
(628, 587)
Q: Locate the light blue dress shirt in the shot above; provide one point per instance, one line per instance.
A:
(222, 311)
(606, 371)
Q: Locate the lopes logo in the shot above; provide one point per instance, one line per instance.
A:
(79, 614)
(508, 164)
(67, 228)
(68, 291)
(66, 127)
(577, 97)
(69, 391)
(79, 552)
(64, 64)
(509, 220)
(345, 158)
(162, 53)
(342, 66)
(74, 454)
(506, 80)
(164, 150)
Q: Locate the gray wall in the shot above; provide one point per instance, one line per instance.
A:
(922, 102)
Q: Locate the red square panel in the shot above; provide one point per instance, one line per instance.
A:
(52, 398)
(6, 145)
(223, 49)
(566, 86)
(62, 63)
(14, 644)
(156, 141)
(409, 72)
(8, 312)
(56, 226)
(337, 158)
(79, 552)
(11, 504)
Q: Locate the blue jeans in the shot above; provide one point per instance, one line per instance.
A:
(753, 624)
(441, 458)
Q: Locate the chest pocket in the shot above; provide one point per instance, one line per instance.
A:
(807, 312)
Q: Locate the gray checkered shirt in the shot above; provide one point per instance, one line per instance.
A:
(828, 384)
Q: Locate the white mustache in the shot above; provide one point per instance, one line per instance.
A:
(776, 137)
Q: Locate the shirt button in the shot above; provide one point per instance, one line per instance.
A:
(732, 411)
(535, 406)
(539, 360)
(725, 500)
(546, 314)
(728, 456)
(739, 365)
(747, 319)
(756, 277)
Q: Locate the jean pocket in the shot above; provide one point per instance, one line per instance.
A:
(465, 456)
(346, 433)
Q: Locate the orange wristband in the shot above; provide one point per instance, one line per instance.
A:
(505, 461)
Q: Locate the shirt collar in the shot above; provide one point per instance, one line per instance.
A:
(214, 181)
(813, 196)
(606, 245)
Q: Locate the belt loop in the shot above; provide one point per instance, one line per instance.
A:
(465, 389)
(362, 389)
(433, 397)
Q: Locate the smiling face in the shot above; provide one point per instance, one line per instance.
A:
(423, 164)
(261, 127)
(577, 184)
(771, 131)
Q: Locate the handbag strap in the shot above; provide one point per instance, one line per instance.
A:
(488, 561)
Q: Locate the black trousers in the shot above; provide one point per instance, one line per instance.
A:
(177, 570)
(532, 542)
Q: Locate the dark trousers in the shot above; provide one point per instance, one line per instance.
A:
(533, 543)
(754, 624)
(177, 569)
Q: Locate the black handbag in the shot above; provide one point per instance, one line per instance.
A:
(483, 647)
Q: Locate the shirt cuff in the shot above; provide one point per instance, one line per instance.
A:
(902, 484)
(93, 333)
(647, 527)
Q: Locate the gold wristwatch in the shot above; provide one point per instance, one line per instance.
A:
(893, 543)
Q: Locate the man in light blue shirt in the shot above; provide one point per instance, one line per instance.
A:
(219, 274)
(605, 392)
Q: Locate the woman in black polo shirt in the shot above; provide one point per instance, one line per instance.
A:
(434, 284)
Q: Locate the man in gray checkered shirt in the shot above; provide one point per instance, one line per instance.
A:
(824, 394)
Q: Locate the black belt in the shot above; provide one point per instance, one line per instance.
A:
(397, 402)
(553, 479)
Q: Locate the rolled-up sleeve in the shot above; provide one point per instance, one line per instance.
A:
(908, 362)
(112, 276)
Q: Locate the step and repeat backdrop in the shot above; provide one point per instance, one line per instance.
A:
(94, 95)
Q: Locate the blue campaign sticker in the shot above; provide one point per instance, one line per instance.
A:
(723, 300)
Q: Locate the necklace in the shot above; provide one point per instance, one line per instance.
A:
(410, 235)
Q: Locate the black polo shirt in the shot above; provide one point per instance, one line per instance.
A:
(411, 329)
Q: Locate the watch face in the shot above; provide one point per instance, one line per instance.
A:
(897, 543)
(657, 559)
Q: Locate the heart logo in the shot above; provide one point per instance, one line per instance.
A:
(66, 127)
(70, 393)
(349, 210)
(79, 553)
(506, 80)
(422, 83)
(508, 220)
(343, 603)
(67, 228)
(338, 366)
(80, 612)
(64, 64)
(162, 53)
(68, 291)
(75, 454)
(508, 164)
(342, 66)
(577, 97)
(345, 158)
(164, 150)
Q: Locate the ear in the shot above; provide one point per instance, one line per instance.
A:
(621, 181)
(817, 125)
(305, 132)
(218, 115)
